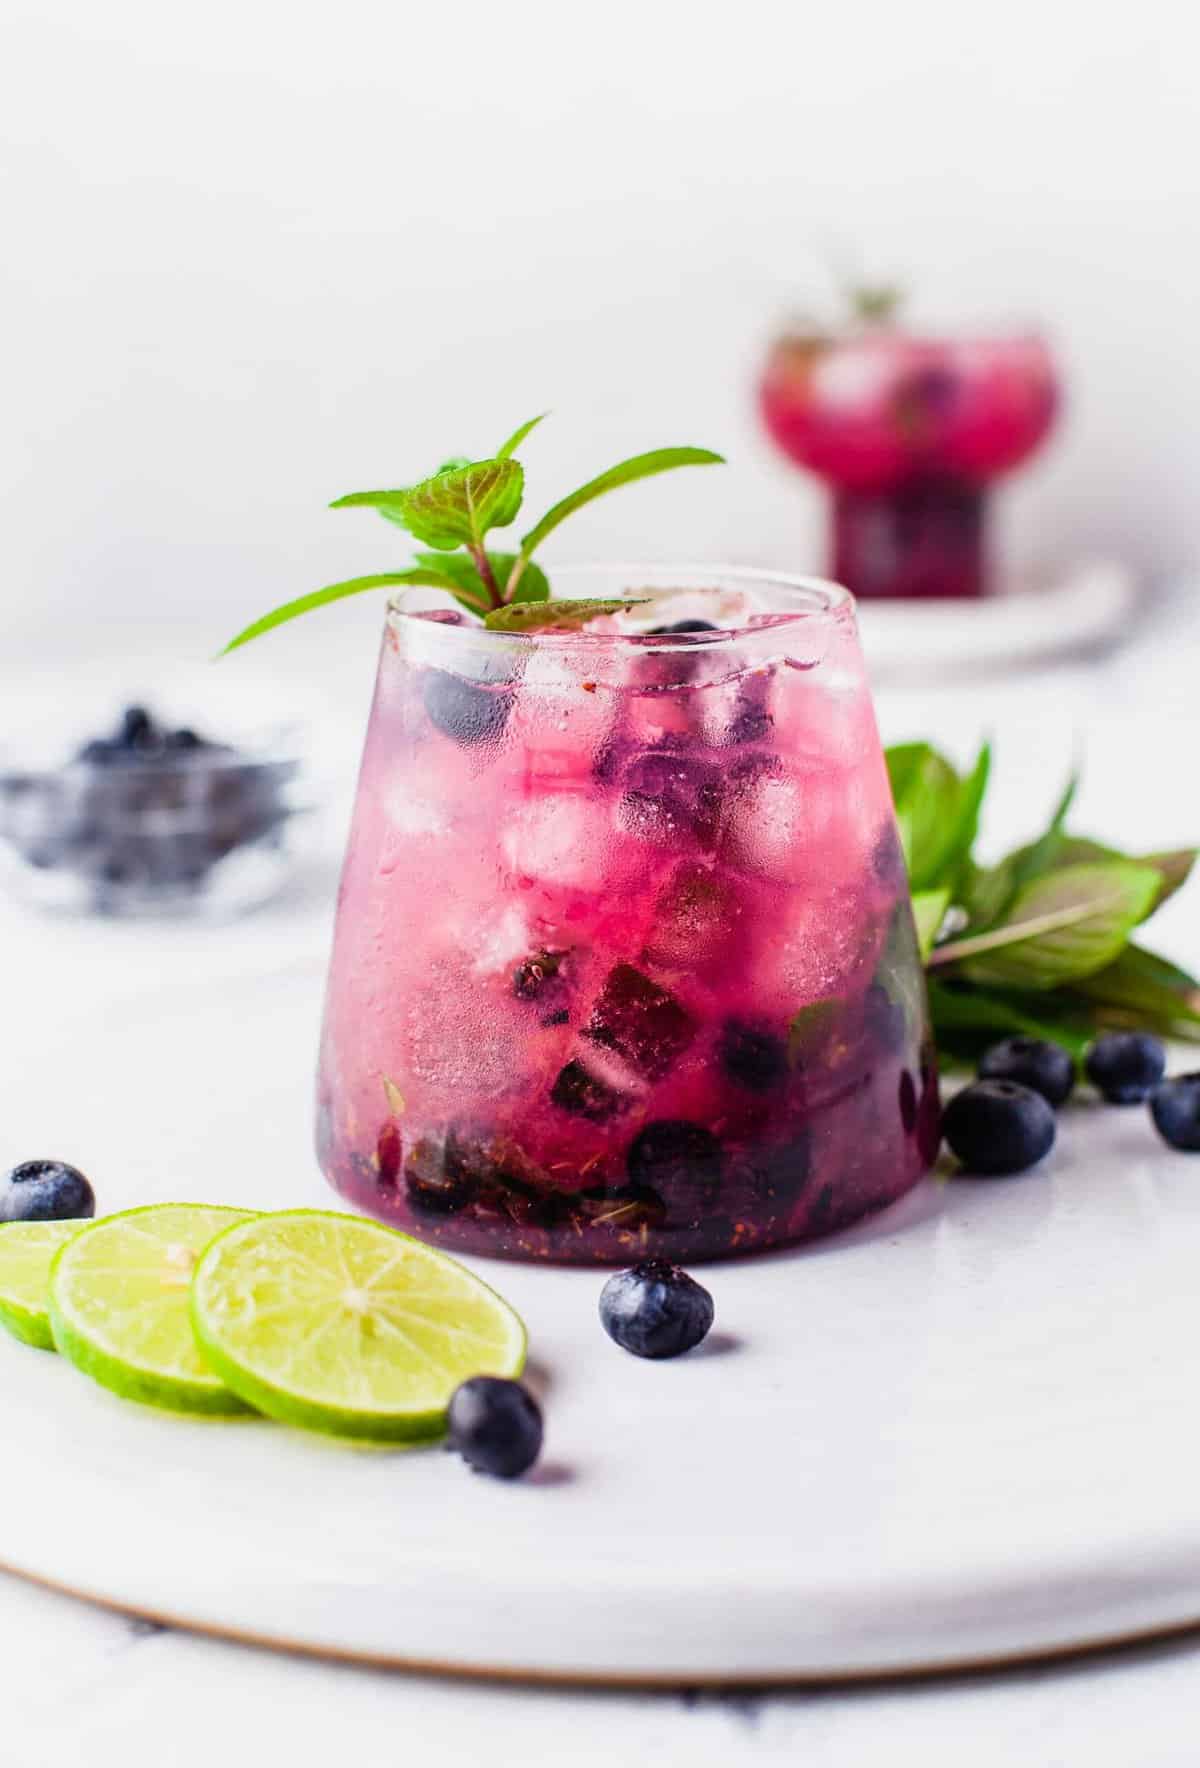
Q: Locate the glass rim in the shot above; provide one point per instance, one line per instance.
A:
(800, 598)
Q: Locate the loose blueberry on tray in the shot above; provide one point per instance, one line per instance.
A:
(46, 1191)
(1126, 1066)
(1032, 1062)
(495, 1425)
(655, 1310)
(1175, 1108)
(996, 1127)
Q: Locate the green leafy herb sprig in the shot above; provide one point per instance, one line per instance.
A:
(453, 512)
(1041, 943)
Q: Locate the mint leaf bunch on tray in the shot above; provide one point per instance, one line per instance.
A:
(1043, 943)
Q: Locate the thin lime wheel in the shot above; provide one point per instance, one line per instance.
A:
(27, 1250)
(341, 1325)
(119, 1294)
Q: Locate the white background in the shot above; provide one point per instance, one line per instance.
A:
(258, 254)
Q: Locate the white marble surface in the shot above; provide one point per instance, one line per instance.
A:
(83, 1685)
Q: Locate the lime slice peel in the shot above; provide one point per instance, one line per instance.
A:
(339, 1324)
(119, 1305)
(27, 1250)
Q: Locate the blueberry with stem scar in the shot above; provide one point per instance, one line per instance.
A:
(655, 1310)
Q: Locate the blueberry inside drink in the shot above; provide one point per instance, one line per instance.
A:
(619, 969)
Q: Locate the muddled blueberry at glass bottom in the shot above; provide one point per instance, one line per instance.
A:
(46, 1191)
(752, 1056)
(640, 1021)
(495, 1425)
(655, 1310)
(465, 710)
(584, 1094)
(1031, 1062)
(433, 1185)
(618, 1207)
(1125, 1066)
(389, 1151)
(779, 1172)
(682, 1161)
(492, 1175)
(996, 1127)
(1175, 1108)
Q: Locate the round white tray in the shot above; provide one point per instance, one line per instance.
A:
(963, 1432)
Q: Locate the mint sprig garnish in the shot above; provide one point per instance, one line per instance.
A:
(455, 510)
(1041, 943)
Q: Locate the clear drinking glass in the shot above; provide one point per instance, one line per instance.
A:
(624, 963)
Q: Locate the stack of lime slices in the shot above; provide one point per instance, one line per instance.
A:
(316, 1319)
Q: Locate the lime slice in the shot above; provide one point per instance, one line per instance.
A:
(342, 1325)
(119, 1305)
(26, 1249)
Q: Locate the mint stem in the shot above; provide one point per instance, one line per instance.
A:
(1017, 932)
(487, 576)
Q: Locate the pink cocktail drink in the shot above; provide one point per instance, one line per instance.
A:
(624, 962)
(910, 432)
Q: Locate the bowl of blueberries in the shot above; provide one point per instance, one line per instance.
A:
(154, 818)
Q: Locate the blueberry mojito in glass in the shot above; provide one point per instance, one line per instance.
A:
(624, 963)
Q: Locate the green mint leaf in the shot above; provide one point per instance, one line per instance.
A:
(1060, 850)
(985, 892)
(955, 852)
(453, 464)
(336, 592)
(459, 507)
(455, 507)
(925, 789)
(562, 616)
(967, 1019)
(1143, 989)
(518, 436)
(1063, 926)
(391, 501)
(929, 911)
(936, 811)
(639, 466)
